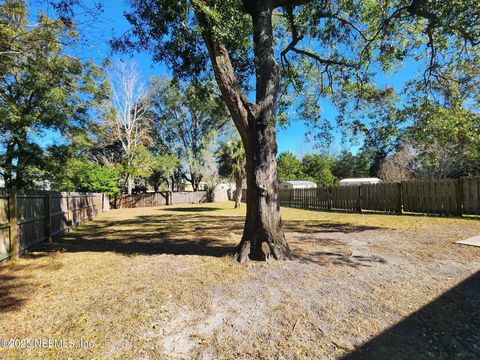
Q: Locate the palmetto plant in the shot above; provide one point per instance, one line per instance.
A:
(231, 159)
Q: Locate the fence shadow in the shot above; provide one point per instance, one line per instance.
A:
(446, 328)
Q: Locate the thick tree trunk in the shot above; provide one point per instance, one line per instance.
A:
(237, 196)
(263, 223)
(19, 170)
(8, 164)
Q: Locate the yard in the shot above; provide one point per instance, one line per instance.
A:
(158, 282)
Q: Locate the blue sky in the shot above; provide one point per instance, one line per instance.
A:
(111, 23)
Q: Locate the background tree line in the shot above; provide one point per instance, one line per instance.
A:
(70, 124)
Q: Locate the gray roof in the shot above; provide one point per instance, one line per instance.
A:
(299, 182)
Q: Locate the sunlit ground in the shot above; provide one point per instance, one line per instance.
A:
(158, 282)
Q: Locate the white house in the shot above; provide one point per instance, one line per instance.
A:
(297, 184)
(359, 181)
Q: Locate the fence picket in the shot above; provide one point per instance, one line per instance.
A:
(441, 197)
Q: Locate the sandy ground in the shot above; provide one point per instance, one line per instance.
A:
(158, 283)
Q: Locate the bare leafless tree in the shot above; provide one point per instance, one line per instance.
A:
(129, 120)
(398, 167)
(428, 161)
(437, 161)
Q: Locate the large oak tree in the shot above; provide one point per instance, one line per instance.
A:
(320, 48)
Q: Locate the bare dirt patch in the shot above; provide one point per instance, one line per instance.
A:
(159, 283)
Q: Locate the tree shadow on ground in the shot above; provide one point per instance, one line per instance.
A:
(186, 234)
(15, 283)
(192, 209)
(194, 234)
(327, 227)
(446, 328)
(337, 258)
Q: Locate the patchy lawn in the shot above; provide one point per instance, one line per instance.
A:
(158, 282)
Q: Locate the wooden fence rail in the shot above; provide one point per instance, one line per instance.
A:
(159, 199)
(449, 197)
(27, 218)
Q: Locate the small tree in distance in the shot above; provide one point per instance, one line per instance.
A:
(231, 159)
(289, 167)
(163, 169)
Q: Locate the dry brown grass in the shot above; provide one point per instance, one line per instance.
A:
(159, 282)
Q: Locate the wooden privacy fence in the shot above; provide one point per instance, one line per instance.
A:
(159, 199)
(31, 217)
(451, 197)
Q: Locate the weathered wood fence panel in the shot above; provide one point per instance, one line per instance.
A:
(441, 197)
(431, 196)
(381, 197)
(27, 218)
(189, 197)
(160, 198)
(143, 200)
(5, 248)
(346, 198)
(470, 191)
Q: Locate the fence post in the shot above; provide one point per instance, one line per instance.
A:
(69, 217)
(290, 197)
(459, 196)
(400, 198)
(330, 198)
(12, 214)
(48, 216)
(359, 202)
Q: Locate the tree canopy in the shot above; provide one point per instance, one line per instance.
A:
(42, 89)
(187, 118)
(289, 167)
(327, 50)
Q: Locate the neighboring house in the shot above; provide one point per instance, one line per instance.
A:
(359, 181)
(297, 184)
(186, 186)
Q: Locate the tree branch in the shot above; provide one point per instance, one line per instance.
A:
(292, 3)
(236, 101)
(322, 60)
(296, 38)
